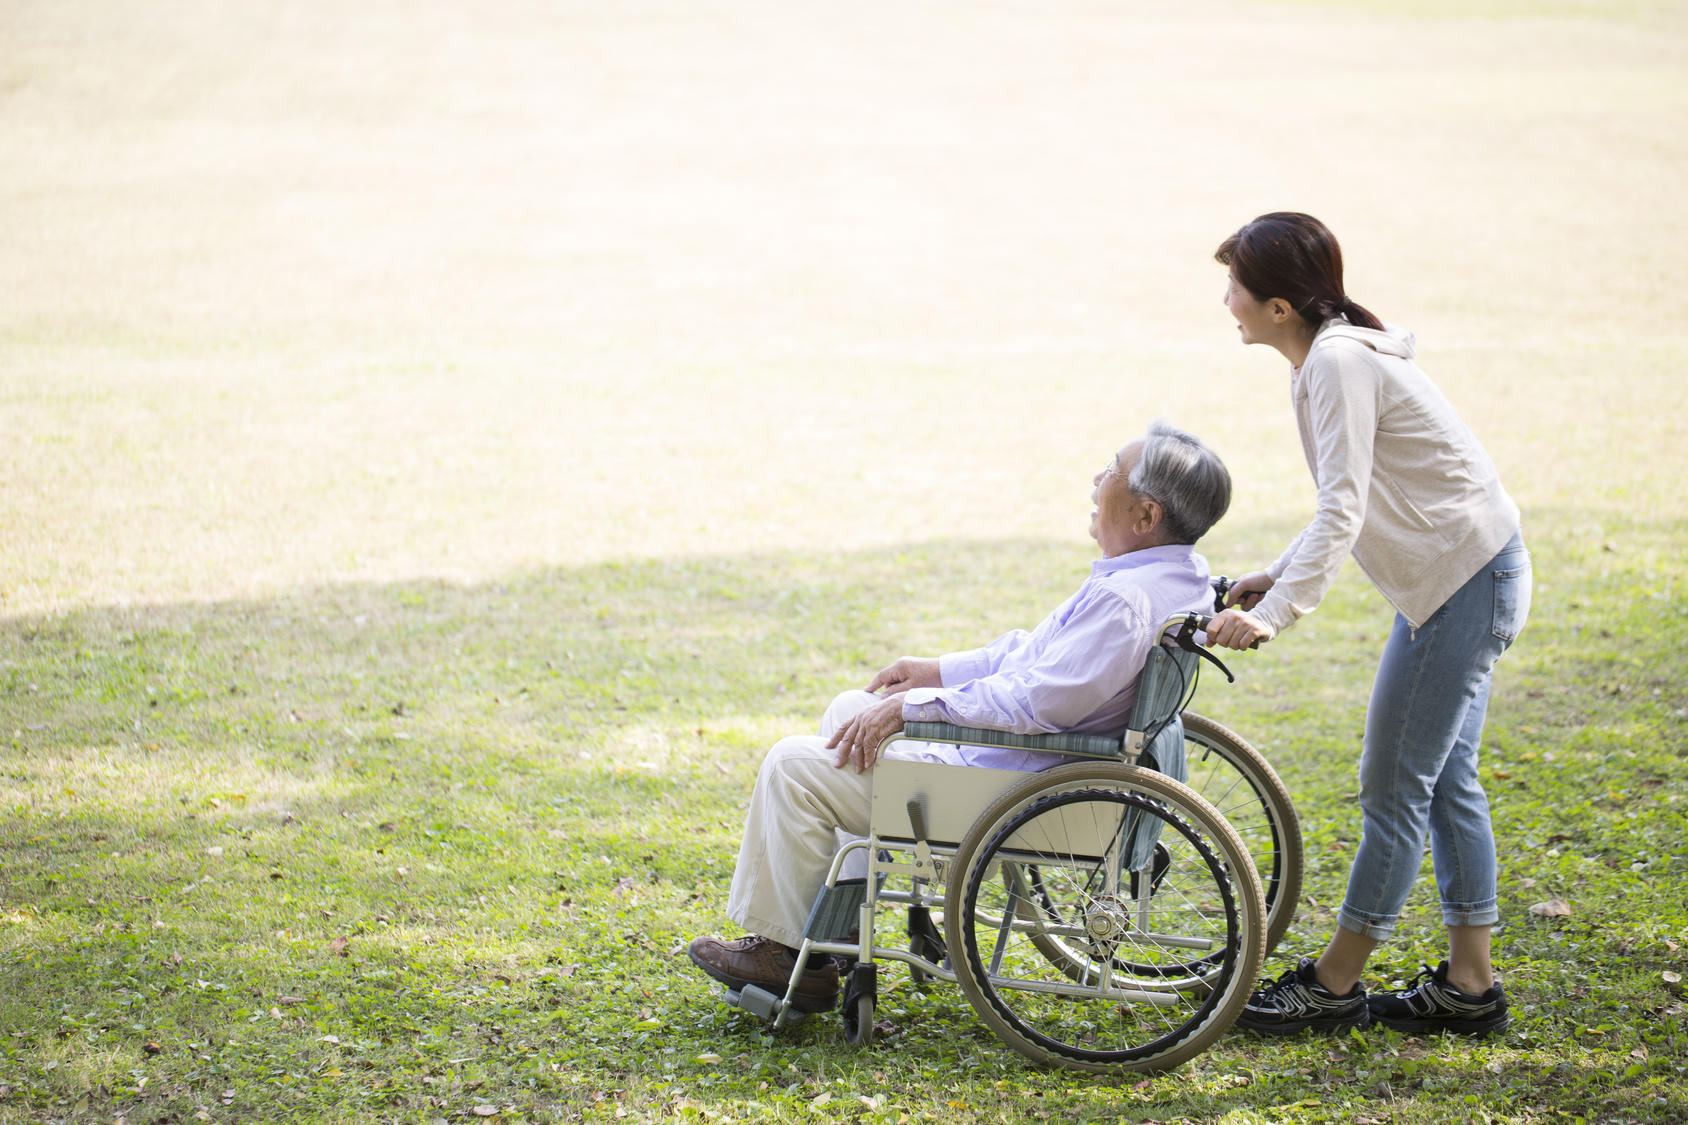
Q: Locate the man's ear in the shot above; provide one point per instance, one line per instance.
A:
(1152, 518)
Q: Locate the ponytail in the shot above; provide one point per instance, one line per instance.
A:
(1357, 314)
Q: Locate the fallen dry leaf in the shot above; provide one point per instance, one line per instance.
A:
(1554, 907)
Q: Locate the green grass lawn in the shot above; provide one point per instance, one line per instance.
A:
(408, 850)
(441, 449)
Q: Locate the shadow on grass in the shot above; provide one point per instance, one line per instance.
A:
(418, 848)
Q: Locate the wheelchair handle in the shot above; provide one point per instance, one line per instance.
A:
(1222, 586)
(1193, 623)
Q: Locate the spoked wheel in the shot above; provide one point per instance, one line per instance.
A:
(1081, 960)
(1106, 972)
(1232, 777)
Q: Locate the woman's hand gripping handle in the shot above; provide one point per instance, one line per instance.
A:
(1235, 627)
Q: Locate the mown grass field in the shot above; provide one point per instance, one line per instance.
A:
(441, 448)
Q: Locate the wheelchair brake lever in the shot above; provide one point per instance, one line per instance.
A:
(917, 818)
(923, 866)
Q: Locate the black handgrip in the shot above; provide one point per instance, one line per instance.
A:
(1200, 621)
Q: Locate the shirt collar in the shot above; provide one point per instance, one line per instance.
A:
(1148, 556)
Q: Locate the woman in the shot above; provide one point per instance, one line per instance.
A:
(1405, 488)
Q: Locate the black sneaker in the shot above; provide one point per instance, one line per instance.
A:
(1297, 1002)
(1430, 1003)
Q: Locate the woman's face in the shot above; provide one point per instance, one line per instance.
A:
(1254, 317)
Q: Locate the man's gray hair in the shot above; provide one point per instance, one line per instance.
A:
(1183, 476)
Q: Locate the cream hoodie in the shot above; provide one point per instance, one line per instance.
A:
(1403, 485)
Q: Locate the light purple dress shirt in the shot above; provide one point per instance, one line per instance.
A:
(1077, 671)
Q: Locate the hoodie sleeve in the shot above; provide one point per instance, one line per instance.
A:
(1276, 570)
(1340, 414)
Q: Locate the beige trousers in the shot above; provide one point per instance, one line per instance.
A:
(802, 806)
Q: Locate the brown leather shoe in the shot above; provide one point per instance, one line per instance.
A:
(767, 964)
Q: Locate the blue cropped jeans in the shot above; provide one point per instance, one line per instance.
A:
(1418, 770)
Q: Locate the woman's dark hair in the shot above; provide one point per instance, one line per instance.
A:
(1294, 257)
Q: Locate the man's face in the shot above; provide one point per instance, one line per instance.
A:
(1115, 520)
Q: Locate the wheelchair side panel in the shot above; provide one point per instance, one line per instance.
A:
(951, 797)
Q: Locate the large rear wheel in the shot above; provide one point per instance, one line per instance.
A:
(1144, 932)
(1233, 777)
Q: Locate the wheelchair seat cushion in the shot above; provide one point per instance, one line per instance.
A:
(1091, 745)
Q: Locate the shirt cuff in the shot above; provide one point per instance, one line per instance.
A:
(956, 668)
(921, 705)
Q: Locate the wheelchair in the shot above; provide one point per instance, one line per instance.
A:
(1106, 914)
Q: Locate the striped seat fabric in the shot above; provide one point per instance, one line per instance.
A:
(1093, 745)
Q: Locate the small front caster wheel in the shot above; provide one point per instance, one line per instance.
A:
(861, 996)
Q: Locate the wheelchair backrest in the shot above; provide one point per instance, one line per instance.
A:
(1162, 691)
(1154, 736)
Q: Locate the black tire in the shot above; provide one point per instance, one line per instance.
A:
(1080, 1010)
(1233, 777)
(858, 1022)
(861, 998)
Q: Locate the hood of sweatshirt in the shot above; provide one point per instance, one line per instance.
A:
(1391, 341)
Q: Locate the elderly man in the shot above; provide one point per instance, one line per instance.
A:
(1077, 671)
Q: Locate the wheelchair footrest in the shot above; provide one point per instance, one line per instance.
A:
(761, 1003)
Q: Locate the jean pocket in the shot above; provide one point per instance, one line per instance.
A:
(1512, 602)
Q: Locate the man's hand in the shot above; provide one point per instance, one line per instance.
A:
(858, 740)
(909, 672)
(1238, 629)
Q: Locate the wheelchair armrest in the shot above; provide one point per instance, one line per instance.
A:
(1093, 745)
